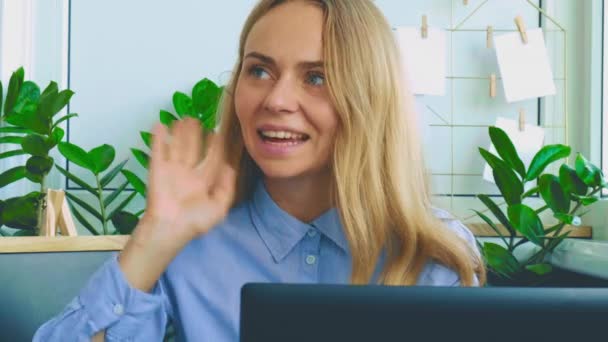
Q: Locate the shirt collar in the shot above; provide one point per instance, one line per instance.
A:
(281, 232)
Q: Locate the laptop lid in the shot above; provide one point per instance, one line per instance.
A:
(289, 312)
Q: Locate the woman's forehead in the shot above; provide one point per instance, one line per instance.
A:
(290, 30)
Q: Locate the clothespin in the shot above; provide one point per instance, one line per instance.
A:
(425, 27)
(490, 37)
(57, 214)
(522, 119)
(521, 26)
(493, 85)
(465, 2)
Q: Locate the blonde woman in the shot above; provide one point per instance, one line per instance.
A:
(316, 176)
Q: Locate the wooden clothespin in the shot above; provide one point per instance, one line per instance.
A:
(522, 119)
(490, 37)
(521, 26)
(425, 27)
(493, 85)
(57, 214)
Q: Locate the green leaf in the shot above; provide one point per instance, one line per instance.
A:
(182, 104)
(527, 222)
(566, 218)
(77, 180)
(588, 173)
(21, 212)
(12, 93)
(125, 222)
(55, 137)
(571, 182)
(83, 221)
(14, 130)
(585, 200)
(500, 259)
(12, 153)
(35, 145)
(101, 157)
(108, 200)
(34, 177)
(76, 155)
(209, 118)
(204, 94)
(1, 99)
(533, 191)
(544, 157)
(64, 118)
(136, 182)
(28, 118)
(123, 204)
(29, 93)
(25, 232)
(84, 205)
(11, 139)
(12, 175)
(142, 157)
(47, 99)
(492, 160)
(500, 216)
(109, 176)
(60, 101)
(540, 269)
(506, 150)
(147, 138)
(553, 194)
(509, 185)
(39, 165)
(492, 225)
(167, 118)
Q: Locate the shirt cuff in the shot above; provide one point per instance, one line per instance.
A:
(108, 297)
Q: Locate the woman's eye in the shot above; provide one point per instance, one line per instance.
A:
(315, 79)
(258, 72)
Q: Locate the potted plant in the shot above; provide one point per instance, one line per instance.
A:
(31, 125)
(563, 195)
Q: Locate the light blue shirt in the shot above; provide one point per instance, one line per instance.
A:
(200, 290)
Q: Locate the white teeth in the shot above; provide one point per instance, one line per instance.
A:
(282, 135)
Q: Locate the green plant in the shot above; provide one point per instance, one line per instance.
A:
(97, 161)
(564, 195)
(202, 105)
(31, 127)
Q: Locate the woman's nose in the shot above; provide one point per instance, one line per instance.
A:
(283, 96)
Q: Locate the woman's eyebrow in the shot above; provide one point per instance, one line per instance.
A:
(271, 61)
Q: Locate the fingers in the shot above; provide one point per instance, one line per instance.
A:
(159, 145)
(186, 138)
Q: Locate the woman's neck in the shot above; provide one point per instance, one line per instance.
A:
(304, 198)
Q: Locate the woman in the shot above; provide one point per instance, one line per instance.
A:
(316, 176)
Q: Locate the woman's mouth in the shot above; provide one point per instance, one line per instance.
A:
(282, 137)
(280, 143)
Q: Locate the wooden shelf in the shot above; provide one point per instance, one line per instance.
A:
(484, 230)
(35, 244)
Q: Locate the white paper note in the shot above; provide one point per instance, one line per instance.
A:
(424, 60)
(527, 143)
(524, 68)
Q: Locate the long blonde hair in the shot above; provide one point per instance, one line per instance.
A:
(380, 180)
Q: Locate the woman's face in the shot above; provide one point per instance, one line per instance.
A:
(282, 102)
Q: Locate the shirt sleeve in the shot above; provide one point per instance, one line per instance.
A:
(109, 303)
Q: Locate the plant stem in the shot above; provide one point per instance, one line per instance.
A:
(42, 205)
(101, 206)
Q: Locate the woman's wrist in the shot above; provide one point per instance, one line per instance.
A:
(148, 253)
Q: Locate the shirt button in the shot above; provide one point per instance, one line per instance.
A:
(311, 259)
(118, 309)
(312, 232)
